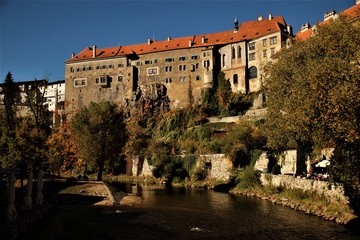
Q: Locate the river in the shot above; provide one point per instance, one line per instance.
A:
(183, 213)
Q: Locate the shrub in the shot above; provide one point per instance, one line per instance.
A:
(248, 178)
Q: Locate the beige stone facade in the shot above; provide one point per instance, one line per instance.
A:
(183, 66)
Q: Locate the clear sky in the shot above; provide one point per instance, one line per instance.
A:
(37, 36)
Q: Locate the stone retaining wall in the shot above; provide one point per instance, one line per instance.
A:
(332, 192)
(219, 166)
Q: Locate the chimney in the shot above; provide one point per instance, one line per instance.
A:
(289, 29)
(149, 41)
(203, 39)
(94, 51)
(169, 38)
(328, 15)
(190, 43)
(305, 27)
(260, 18)
(270, 16)
(72, 55)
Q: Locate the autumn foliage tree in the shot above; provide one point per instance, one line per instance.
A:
(313, 96)
(99, 134)
(62, 151)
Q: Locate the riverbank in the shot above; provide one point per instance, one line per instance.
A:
(316, 207)
(320, 208)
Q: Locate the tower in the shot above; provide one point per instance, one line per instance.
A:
(236, 25)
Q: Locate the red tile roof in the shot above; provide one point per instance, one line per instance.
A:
(247, 31)
(351, 12)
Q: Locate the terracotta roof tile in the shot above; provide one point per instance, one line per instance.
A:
(247, 31)
(351, 12)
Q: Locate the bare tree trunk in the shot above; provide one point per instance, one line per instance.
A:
(100, 172)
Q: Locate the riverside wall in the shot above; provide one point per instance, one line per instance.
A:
(331, 191)
(218, 166)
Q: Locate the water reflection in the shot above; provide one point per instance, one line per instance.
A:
(201, 214)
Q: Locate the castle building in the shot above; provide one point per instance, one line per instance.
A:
(55, 100)
(183, 67)
(21, 93)
(53, 94)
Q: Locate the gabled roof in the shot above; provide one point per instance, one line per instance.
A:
(246, 31)
(351, 12)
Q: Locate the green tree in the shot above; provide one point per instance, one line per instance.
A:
(313, 91)
(22, 142)
(220, 100)
(99, 133)
(9, 100)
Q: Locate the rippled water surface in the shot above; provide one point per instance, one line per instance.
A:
(199, 214)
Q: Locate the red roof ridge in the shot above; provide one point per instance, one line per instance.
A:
(351, 12)
(247, 31)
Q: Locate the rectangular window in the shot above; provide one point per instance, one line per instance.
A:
(120, 78)
(103, 79)
(138, 63)
(148, 62)
(251, 46)
(194, 57)
(272, 51)
(251, 56)
(103, 67)
(120, 65)
(206, 63)
(169, 59)
(152, 71)
(182, 58)
(273, 40)
(168, 80)
(264, 53)
(264, 42)
(78, 69)
(97, 80)
(197, 78)
(182, 67)
(111, 66)
(168, 68)
(80, 82)
(206, 54)
(97, 67)
(182, 79)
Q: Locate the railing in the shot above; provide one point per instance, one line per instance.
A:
(22, 207)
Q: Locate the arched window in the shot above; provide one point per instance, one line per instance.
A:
(223, 60)
(253, 72)
(233, 53)
(239, 52)
(235, 79)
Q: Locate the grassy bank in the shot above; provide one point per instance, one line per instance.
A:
(248, 184)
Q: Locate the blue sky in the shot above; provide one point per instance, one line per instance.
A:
(36, 37)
